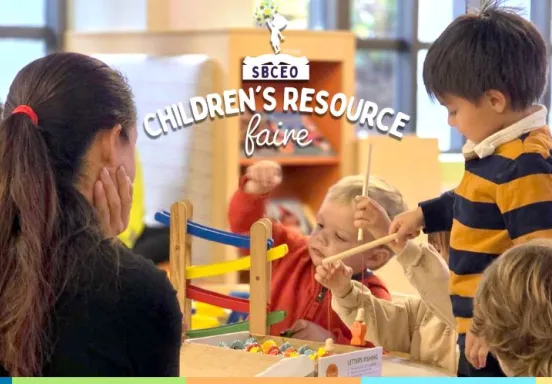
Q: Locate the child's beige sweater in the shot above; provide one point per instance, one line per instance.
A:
(423, 327)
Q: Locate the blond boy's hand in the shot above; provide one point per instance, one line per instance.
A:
(476, 351)
(407, 225)
(263, 177)
(336, 277)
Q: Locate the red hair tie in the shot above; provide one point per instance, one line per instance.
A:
(25, 109)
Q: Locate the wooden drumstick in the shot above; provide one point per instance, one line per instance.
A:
(359, 249)
(365, 186)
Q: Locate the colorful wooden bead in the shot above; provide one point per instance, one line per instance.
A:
(307, 352)
(237, 344)
(328, 348)
(302, 349)
(291, 352)
(268, 344)
(284, 347)
(251, 346)
(274, 351)
(255, 349)
(358, 330)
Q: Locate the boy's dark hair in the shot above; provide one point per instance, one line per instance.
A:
(46, 225)
(492, 49)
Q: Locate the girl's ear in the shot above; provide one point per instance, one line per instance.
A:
(109, 141)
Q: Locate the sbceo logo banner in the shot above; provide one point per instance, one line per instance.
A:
(276, 66)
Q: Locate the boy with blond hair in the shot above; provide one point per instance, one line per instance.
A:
(488, 69)
(513, 309)
(424, 329)
(294, 288)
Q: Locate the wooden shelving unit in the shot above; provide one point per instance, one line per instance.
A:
(331, 56)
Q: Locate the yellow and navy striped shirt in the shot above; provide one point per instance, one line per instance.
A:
(503, 199)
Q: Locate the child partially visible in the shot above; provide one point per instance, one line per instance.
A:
(489, 70)
(422, 326)
(513, 309)
(294, 288)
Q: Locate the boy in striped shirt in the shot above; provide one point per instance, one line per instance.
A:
(489, 70)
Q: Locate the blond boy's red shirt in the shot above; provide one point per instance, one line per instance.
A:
(293, 287)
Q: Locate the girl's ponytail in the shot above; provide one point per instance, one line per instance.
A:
(29, 204)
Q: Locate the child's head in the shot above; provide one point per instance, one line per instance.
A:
(487, 69)
(78, 118)
(86, 116)
(513, 309)
(335, 232)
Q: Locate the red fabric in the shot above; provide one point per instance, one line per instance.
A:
(293, 287)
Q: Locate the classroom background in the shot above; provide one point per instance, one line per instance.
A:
(171, 50)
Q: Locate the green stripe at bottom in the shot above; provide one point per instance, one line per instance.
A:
(98, 380)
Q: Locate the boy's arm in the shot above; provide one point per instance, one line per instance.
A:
(246, 208)
(389, 324)
(525, 200)
(438, 213)
(429, 274)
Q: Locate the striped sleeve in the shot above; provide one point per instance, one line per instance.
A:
(438, 213)
(525, 198)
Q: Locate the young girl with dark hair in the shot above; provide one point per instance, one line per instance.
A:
(74, 302)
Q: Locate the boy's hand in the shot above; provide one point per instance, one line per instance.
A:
(476, 350)
(336, 277)
(113, 201)
(306, 330)
(263, 177)
(371, 217)
(407, 226)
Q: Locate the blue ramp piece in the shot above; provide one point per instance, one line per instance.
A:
(210, 234)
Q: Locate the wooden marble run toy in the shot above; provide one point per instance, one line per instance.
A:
(181, 272)
(245, 349)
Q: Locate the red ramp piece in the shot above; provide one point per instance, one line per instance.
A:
(216, 299)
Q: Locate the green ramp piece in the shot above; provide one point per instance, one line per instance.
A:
(271, 319)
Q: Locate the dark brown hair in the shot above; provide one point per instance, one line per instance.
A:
(494, 49)
(46, 225)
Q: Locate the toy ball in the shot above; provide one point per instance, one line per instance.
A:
(290, 352)
(284, 347)
(307, 352)
(251, 346)
(250, 341)
(274, 351)
(268, 345)
(302, 349)
(223, 344)
(256, 349)
(322, 352)
(237, 344)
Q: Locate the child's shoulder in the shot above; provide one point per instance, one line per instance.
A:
(530, 147)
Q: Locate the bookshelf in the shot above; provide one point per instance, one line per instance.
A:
(307, 177)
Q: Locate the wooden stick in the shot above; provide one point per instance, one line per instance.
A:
(359, 249)
(365, 186)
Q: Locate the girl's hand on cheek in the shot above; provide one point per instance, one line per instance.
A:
(113, 201)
